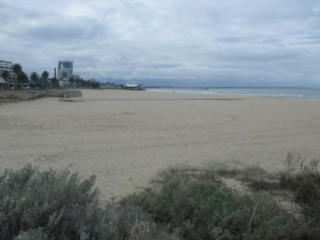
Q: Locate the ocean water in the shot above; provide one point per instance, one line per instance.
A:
(293, 93)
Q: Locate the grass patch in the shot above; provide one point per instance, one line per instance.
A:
(53, 205)
(298, 182)
(48, 205)
(185, 203)
(202, 208)
(26, 95)
(305, 185)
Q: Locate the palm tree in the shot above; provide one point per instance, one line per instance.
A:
(23, 77)
(55, 83)
(71, 80)
(17, 69)
(20, 75)
(34, 77)
(77, 82)
(5, 75)
(82, 83)
(45, 75)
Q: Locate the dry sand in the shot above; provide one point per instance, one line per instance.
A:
(125, 143)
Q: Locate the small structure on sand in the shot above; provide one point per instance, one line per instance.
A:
(132, 86)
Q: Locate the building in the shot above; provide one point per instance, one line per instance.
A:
(65, 70)
(5, 65)
(8, 66)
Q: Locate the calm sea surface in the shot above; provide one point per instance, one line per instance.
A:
(297, 93)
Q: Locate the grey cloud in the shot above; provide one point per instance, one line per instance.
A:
(239, 41)
(64, 32)
(229, 39)
(260, 56)
(310, 39)
(165, 65)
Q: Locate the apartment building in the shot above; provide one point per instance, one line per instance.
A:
(65, 70)
(8, 66)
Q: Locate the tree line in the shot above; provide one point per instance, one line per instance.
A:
(22, 78)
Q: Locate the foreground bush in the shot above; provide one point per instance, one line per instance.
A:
(131, 222)
(190, 204)
(202, 208)
(38, 205)
(48, 205)
(305, 185)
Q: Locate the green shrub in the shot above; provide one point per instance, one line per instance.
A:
(33, 234)
(56, 205)
(131, 222)
(179, 204)
(204, 209)
(16, 96)
(305, 184)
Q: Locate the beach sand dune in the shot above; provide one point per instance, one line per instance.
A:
(126, 137)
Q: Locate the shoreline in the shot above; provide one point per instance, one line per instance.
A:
(125, 141)
(275, 92)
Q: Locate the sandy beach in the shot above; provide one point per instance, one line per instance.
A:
(127, 137)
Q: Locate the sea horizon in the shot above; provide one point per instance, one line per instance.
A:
(274, 92)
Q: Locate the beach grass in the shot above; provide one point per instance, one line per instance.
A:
(9, 96)
(185, 203)
(200, 206)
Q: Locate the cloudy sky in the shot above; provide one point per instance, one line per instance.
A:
(168, 42)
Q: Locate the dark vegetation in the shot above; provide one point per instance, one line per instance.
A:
(38, 205)
(20, 80)
(18, 96)
(178, 204)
